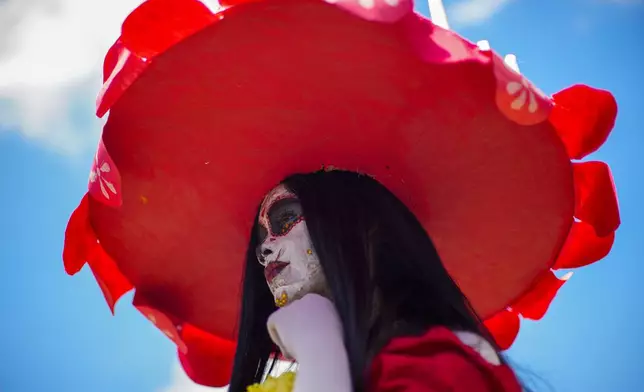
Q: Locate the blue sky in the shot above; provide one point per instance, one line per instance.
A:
(59, 336)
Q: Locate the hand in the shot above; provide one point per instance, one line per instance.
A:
(309, 331)
(304, 325)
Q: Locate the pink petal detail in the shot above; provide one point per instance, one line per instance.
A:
(517, 98)
(105, 180)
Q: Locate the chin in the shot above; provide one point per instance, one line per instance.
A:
(297, 291)
(293, 291)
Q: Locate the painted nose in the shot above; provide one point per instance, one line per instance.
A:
(264, 251)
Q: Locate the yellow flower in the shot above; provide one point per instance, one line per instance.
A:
(283, 383)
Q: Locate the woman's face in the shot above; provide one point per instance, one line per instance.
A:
(291, 266)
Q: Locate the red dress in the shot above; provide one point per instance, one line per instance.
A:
(437, 362)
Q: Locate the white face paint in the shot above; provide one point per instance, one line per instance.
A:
(291, 266)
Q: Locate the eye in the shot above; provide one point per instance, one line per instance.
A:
(287, 220)
(283, 215)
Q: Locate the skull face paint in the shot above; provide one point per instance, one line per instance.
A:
(291, 267)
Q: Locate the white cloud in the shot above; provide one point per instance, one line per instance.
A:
(51, 54)
(50, 68)
(470, 12)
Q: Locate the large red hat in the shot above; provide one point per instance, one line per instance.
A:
(208, 111)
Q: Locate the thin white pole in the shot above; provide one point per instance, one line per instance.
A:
(483, 44)
(439, 17)
(437, 13)
(511, 61)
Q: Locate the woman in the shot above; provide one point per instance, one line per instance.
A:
(403, 320)
(209, 111)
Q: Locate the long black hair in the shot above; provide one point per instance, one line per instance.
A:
(384, 275)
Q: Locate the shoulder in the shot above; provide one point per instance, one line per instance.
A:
(480, 345)
(441, 360)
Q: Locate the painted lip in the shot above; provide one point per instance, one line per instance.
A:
(273, 269)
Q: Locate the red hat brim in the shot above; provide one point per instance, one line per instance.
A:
(212, 110)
